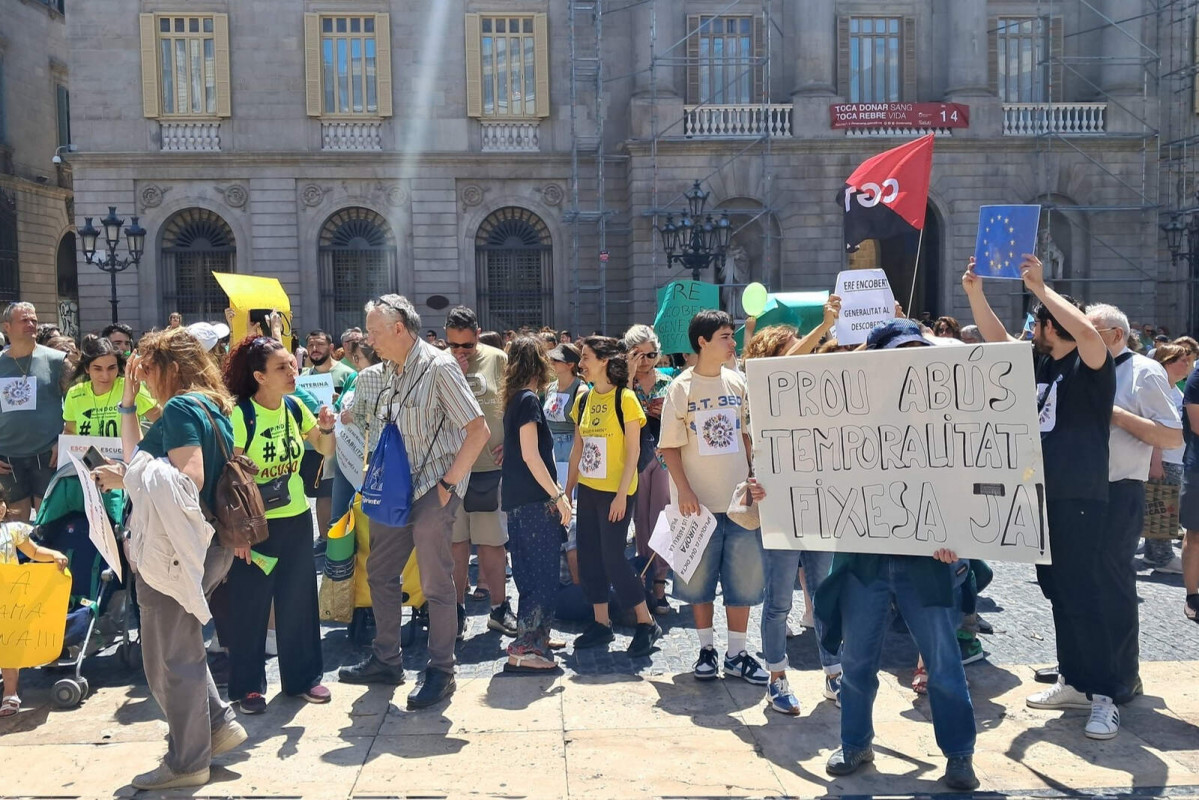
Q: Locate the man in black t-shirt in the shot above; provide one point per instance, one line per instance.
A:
(1076, 386)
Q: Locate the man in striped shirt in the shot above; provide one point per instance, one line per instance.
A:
(444, 431)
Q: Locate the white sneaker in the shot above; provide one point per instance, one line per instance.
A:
(272, 646)
(1174, 567)
(807, 620)
(1060, 695)
(1105, 719)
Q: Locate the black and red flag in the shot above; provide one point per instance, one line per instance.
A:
(888, 194)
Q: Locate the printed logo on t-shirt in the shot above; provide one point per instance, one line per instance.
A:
(1047, 402)
(556, 406)
(477, 383)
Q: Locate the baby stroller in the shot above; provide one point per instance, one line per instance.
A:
(100, 610)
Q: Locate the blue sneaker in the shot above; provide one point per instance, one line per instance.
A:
(782, 699)
(832, 688)
(746, 667)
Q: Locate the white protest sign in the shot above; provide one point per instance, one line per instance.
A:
(319, 386)
(901, 451)
(99, 530)
(109, 446)
(681, 540)
(351, 450)
(866, 301)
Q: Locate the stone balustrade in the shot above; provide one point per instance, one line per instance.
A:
(735, 121)
(1065, 119)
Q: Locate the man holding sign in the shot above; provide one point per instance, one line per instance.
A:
(705, 443)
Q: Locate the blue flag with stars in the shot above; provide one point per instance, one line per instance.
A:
(1005, 234)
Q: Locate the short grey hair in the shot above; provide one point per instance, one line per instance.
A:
(1108, 316)
(970, 334)
(639, 335)
(18, 306)
(397, 308)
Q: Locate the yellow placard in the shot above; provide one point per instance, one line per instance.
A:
(247, 292)
(33, 613)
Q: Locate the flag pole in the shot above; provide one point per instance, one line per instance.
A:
(915, 274)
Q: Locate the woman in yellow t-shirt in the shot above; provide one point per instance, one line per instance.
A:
(270, 427)
(603, 464)
(90, 405)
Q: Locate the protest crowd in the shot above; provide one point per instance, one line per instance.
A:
(611, 474)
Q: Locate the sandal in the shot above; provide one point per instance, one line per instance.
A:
(920, 681)
(478, 593)
(10, 706)
(530, 663)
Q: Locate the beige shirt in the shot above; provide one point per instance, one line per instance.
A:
(485, 377)
(705, 419)
(431, 403)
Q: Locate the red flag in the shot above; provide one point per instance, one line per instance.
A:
(888, 194)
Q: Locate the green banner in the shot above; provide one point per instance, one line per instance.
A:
(678, 302)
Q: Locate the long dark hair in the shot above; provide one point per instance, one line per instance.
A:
(605, 347)
(248, 357)
(93, 348)
(526, 362)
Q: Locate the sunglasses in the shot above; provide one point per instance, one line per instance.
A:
(462, 346)
(651, 354)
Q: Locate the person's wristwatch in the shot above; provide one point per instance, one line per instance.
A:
(449, 487)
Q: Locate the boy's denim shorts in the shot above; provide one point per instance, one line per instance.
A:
(734, 556)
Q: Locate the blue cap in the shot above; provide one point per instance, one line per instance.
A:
(894, 333)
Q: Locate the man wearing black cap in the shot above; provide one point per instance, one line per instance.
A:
(854, 601)
(1076, 388)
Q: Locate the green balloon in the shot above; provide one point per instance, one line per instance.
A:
(753, 299)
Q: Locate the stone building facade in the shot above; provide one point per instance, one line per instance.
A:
(518, 156)
(37, 243)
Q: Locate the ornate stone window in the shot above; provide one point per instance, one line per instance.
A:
(514, 266)
(358, 260)
(196, 242)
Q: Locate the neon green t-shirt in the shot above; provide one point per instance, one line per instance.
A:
(97, 415)
(277, 449)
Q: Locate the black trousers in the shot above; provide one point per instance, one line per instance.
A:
(292, 587)
(601, 547)
(1091, 586)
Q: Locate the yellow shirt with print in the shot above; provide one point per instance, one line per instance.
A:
(97, 415)
(600, 422)
(277, 449)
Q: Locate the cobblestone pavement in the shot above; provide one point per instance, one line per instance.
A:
(1013, 604)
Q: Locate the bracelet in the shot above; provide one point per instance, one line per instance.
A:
(127, 409)
(326, 431)
(559, 497)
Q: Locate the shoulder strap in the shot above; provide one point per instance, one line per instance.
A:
(1127, 354)
(249, 418)
(293, 405)
(220, 440)
(620, 409)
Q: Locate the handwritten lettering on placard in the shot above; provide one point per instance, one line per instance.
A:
(33, 613)
(901, 451)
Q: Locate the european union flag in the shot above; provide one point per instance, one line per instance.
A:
(1005, 234)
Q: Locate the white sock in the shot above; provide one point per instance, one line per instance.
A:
(736, 643)
(707, 637)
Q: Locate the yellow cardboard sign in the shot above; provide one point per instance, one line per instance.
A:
(247, 292)
(33, 613)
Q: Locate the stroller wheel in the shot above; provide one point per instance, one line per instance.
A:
(84, 688)
(66, 693)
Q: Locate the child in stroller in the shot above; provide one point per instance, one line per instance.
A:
(14, 539)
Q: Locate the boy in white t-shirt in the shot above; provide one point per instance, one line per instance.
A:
(705, 442)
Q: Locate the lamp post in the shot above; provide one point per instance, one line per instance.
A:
(135, 243)
(1183, 227)
(696, 241)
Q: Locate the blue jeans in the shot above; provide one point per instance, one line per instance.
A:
(816, 566)
(865, 613)
(734, 555)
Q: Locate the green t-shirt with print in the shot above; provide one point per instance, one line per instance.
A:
(277, 449)
(97, 415)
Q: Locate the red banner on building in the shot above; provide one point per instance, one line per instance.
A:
(900, 115)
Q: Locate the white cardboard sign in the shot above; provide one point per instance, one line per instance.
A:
(901, 451)
(866, 301)
(681, 540)
(99, 529)
(319, 386)
(351, 450)
(109, 446)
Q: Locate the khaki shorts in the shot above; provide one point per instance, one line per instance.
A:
(480, 527)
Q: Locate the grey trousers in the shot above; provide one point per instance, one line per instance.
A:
(428, 531)
(177, 669)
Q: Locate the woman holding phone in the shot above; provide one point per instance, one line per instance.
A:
(271, 427)
(90, 406)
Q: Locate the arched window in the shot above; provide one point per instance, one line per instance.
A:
(196, 242)
(514, 265)
(358, 257)
(10, 278)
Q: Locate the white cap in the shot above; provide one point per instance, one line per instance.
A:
(209, 333)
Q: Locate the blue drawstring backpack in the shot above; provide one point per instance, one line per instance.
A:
(391, 505)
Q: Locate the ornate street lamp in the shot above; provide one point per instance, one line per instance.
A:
(696, 241)
(135, 243)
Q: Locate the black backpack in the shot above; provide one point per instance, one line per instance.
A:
(648, 442)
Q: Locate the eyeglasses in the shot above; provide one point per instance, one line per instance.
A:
(462, 346)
